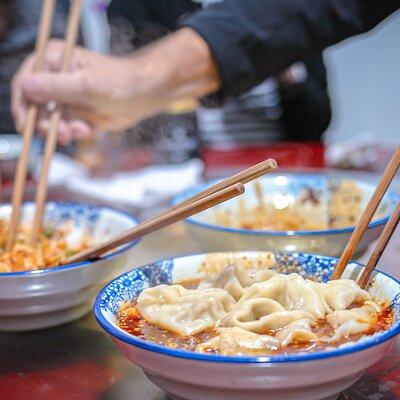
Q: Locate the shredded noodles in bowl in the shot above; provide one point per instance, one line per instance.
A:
(306, 212)
(52, 248)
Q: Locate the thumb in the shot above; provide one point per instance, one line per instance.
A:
(65, 88)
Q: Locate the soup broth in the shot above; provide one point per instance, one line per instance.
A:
(247, 308)
(130, 320)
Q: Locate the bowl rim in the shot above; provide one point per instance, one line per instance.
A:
(349, 348)
(113, 254)
(391, 196)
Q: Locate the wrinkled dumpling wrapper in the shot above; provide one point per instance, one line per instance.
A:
(235, 278)
(237, 341)
(184, 311)
(298, 331)
(341, 293)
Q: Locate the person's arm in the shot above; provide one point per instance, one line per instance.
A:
(113, 93)
(254, 39)
(233, 45)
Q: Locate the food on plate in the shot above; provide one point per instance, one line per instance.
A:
(52, 249)
(247, 308)
(309, 211)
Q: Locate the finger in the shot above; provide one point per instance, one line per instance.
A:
(64, 133)
(18, 103)
(66, 88)
(81, 130)
(54, 55)
(43, 126)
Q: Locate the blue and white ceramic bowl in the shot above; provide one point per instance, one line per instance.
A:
(286, 187)
(195, 376)
(48, 297)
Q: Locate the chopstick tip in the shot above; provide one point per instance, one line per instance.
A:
(240, 188)
(273, 163)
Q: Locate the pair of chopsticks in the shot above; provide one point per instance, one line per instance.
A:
(30, 124)
(365, 219)
(218, 193)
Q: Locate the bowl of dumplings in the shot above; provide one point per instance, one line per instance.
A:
(302, 212)
(250, 325)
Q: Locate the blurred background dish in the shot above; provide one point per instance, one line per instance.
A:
(194, 376)
(53, 296)
(329, 206)
(10, 148)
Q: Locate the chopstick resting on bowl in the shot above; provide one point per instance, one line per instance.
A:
(245, 176)
(207, 198)
(46, 18)
(166, 218)
(380, 247)
(368, 214)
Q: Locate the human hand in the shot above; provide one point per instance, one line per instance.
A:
(112, 93)
(99, 93)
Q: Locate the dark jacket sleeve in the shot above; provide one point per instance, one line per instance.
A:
(254, 39)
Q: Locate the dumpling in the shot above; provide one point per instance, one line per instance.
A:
(298, 331)
(355, 320)
(346, 329)
(274, 288)
(234, 278)
(304, 294)
(261, 315)
(293, 292)
(340, 293)
(183, 311)
(237, 341)
(340, 317)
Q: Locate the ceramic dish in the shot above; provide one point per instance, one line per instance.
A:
(48, 297)
(287, 187)
(196, 376)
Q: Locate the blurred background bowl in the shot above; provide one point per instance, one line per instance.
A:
(287, 187)
(10, 149)
(53, 296)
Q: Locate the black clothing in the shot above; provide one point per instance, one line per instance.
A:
(254, 39)
(305, 107)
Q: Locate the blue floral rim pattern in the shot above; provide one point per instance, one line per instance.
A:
(129, 285)
(391, 197)
(64, 210)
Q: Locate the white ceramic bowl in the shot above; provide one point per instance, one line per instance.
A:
(196, 376)
(53, 296)
(288, 186)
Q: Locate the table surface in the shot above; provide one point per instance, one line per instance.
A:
(79, 361)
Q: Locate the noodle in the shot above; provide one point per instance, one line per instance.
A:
(307, 212)
(52, 249)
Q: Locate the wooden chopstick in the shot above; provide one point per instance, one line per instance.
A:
(384, 238)
(208, 195)
(30, 124)
(161, 221)
(367, 215)
(243, 177)
(55, 117)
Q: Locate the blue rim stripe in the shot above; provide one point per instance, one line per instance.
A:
(391, 196)
(319, 355)
(42, 271)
